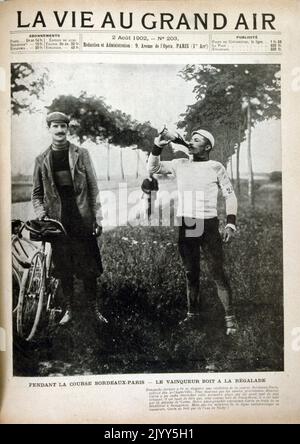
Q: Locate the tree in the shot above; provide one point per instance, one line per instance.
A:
(90, 116)
(27, 82)
(93, 119)
(224, 94)
(206, 113)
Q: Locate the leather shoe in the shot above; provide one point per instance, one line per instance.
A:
(66, 318)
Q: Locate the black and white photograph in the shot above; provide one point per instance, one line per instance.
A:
(146, 218)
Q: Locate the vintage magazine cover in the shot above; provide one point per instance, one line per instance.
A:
(176, 112)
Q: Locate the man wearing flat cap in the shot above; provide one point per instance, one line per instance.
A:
(198, 182)
(65, 188)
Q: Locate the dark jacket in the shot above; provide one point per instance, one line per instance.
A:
(45, 197)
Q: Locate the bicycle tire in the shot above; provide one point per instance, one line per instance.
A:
(31, 297)
(16, 285)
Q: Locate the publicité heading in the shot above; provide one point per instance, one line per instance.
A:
(149, 20)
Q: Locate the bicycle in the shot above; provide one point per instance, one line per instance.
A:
(32, 274)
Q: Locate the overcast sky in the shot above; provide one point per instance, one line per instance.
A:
(152, 93)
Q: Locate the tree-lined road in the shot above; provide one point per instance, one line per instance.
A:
(24, 210)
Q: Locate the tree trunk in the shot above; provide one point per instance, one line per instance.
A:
(107, 162)
(222, 154)
(137, 163)
(121, 164)
(231, 170)
(250, 169)
(238, 183)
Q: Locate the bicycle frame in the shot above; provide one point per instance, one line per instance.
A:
(22, 253)
(31, 297)
(32, 262)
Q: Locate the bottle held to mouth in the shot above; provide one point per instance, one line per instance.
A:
(173, 137)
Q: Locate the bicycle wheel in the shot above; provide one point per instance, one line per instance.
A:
(16, 284)
(31, 297)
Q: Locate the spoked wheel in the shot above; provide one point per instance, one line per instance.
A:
(54, 309)
(31, 297)
(16, 284)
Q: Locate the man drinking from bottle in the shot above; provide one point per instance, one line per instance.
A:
(198, 181)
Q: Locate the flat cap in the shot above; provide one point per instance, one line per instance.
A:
(57, 117)
(205, 134)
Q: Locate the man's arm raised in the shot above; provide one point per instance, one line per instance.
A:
(155, 166)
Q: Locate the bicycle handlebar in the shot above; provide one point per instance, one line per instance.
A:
(32, 230)
(18, 226)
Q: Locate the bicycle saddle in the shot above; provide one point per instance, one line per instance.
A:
(46, 230)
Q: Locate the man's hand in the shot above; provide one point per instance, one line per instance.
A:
(97, 229)
(159, 142)
(228, 234)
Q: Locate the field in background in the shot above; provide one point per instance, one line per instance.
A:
(21, 191)
(142, 293)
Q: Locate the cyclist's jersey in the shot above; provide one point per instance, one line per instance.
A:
(70, 217)
(198, 184)
(61, 168)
